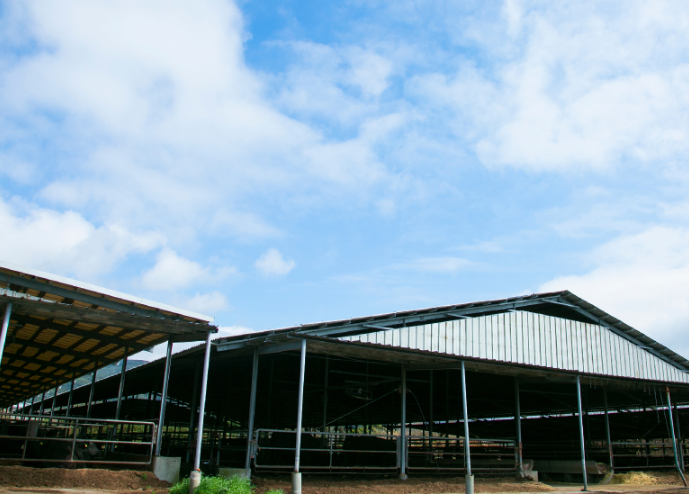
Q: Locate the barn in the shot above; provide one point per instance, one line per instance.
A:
(546, 386)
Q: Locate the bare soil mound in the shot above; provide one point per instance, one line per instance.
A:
(359, 484)
(126, 480)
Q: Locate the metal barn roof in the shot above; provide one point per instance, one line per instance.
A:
(558, 331)
(61, 329)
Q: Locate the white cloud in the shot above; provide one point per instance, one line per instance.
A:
(234, 331)
(436, 264)
(64, 242)
(160, 122)
(172, 272)
(642, 279)
(271, 263)
(583, 86)
(207, 303)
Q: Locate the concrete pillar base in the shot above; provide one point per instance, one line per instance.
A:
(194, 480)
(167, 468)
(402, 476)
(469, 484)
(296, 483)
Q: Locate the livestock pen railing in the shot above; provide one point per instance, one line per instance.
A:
(447, 454)
(325, 451)
(60, 439)
(644, 454)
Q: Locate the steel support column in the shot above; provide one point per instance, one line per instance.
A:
(296, 475)
(430, 412)
(581, 435)
(325, 392)
(120, 391)
(252, 413)
(467, 442)
(607, 430)
(4, 329)
(678, 433)
(52, 407)
(674, 439)
(202, 402)
(40, 409)
(194, 407)
(69, 399)
(518, 423)
(163, 398)
(403, 427)
(92, 391)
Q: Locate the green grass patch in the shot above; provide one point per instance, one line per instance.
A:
(215, 485)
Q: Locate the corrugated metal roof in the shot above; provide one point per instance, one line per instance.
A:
(563, 304)
(61, 329)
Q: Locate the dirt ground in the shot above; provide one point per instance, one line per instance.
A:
(391, 485)
(121, 480)
(25, 480)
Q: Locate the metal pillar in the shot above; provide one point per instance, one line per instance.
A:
(202, 402)
(467, 442)
(607, 430)
(518, 421)
(430, 412)
(120, 391)
(678, 432)
(92, 390)
(674, 440)
(69, 399)
(581, 435)
(194, 407)
(4, 329)
(163, 398)
(252, 413)
(403, 427)
(325, 392)
(52, 407)
(296, 475)
(40, 409)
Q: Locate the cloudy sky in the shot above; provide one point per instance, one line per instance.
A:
(280, 162)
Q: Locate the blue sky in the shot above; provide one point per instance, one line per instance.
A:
(277, 163)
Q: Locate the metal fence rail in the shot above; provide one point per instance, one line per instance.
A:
(321, 451)
(447, 454)
(34, 438)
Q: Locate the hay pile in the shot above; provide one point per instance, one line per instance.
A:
(647, 478)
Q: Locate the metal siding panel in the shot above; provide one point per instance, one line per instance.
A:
(566, 350)
(482, 338)
(494, 337)
(489, 337)
(456, 337)
(530, 338)
(594, 359)
(507, 338)
(549, 342)
(563, 344)
(588, 348)
(501, 336)
(609, 363)
(476, 338)
(580, 338)
(599, 350)
(514, 337)
(462, 331)
(520, 337)
(545, 340)
(552, 329)
(554, 347)
(616, 354)
(441, 336)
